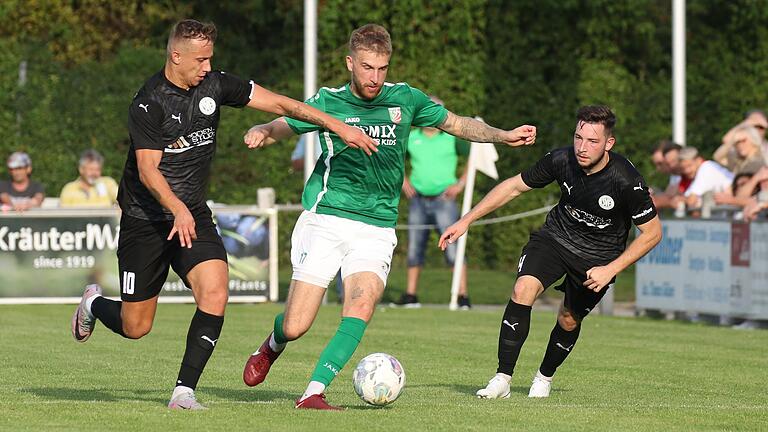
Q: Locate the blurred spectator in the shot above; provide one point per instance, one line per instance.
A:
(90, 189)
(432, 188)
(742, 152)
(757, 186)
(739, 194)
(757, 119)
(666, 160)
(708, 177)
(20, 193)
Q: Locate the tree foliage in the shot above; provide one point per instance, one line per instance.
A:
(516, 62)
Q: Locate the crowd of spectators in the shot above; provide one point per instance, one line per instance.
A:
(90, 190)
(733, 182)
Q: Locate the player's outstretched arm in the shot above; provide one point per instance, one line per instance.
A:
(262, 135)
(474, 130)
(265, 100)
(183, 223)
(650, 236)
(503, 193)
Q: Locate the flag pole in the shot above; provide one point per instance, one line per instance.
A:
(458, 264)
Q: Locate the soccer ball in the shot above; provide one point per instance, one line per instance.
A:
(378, 379)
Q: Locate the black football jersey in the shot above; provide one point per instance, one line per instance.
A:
(595, 212)
(181, 123)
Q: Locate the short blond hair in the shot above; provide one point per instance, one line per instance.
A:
(370, 37)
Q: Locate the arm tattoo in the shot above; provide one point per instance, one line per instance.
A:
(475, 130)
(298, 111)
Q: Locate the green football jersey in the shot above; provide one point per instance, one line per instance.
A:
(348, 183)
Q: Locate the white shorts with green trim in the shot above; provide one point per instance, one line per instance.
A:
(321, 244)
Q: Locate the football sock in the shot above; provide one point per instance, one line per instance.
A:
(89, 302)
(339, 350)
(512, 335)
(274, 346)
(278, 334)
(561, 343)
(202, 337)
(314, 387)
(181, 389)
(108, 312)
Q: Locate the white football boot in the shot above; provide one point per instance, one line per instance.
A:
(497, 388)
(540, 387)
(185, 401)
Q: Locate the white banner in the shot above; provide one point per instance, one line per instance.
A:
(712, 267)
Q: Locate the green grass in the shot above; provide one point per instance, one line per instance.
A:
(624, 374)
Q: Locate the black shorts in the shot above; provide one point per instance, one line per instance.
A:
(548, 261)
(144, 255)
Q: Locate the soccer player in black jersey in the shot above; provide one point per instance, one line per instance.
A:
(584, 239)
(165, 222)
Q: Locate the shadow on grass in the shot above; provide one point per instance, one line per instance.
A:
(470, 390)
(248, 395)
(104, 395)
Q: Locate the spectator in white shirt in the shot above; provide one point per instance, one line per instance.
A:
(708, 176)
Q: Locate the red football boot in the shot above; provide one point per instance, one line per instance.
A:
(317, 402)
(258, 364)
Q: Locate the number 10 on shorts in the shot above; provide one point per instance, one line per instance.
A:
(129, 280)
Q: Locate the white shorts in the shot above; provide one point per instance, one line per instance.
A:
(321, 244)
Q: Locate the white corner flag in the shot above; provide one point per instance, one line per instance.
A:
(482, 157)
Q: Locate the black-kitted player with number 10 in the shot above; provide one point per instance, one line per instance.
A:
(165, 222)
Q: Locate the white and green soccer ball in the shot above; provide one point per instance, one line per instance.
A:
(378, 379)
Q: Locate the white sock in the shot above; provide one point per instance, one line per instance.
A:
(545, 378)
(314, 387)
(181, 389)
(88, 303)
(274, 346)
(504, 376)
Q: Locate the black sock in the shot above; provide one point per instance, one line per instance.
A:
(512, 335)
(108, 312)
(202, 338)
(561, 343)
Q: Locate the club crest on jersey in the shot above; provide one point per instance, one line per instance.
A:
(207, 105)
(395, 114)
(605, 202)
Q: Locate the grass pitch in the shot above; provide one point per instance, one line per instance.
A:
(624, 374)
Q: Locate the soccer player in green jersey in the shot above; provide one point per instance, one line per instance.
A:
(350, 203)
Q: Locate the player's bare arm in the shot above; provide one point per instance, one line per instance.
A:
(474, 130)
(262, 135)
(650, 235)
(503, 193)
(265, 100)
(151, 177)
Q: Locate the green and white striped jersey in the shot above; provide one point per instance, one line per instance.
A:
(348, 183)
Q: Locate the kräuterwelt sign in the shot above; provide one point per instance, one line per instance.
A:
(48, 256)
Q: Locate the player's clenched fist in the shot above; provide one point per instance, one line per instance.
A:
(523, 135)
(257, 137)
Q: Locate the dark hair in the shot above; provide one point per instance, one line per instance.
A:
(600, 114)
(670, 146)
(191, 29)
(370, 37)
